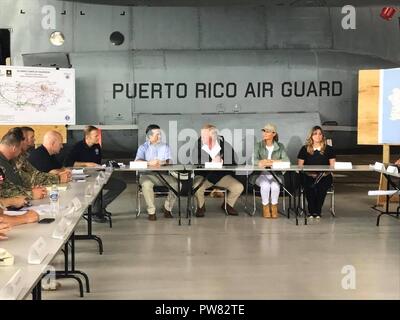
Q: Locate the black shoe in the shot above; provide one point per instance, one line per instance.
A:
(167, 214)
(152, 217)
(200, 211)
(99, 218)
(107, 213)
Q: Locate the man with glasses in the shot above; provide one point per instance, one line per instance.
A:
(156, 154)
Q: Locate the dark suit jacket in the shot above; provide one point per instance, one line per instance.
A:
(227, 153)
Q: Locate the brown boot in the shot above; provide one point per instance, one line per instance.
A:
(266, 211)
(274, 211)
(231, 211)
(200, 211)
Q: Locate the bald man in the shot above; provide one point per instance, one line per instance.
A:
(29, 174)
(44, 158)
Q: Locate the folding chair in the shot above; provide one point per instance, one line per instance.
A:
(331, 192)
(255, 189)
(159, 191)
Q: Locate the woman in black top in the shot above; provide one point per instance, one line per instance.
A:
(316, 184)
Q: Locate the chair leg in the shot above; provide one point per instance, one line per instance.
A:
(284, 202)
(225, 198)
(137, 203)
(333, 213)
(302, 203)
(254, 203)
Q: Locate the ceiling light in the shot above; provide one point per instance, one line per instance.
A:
(57, 38)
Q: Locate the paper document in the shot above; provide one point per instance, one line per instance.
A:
(382, 192)
(60, 188)
(79, 176)
(13, 213)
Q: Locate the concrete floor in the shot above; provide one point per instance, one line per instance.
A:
(243, 257)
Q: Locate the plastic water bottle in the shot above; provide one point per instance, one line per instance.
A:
(54, 196)
(97, 182)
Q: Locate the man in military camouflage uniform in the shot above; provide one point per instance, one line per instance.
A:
(6, 222)
(10, 148)
(30, 176)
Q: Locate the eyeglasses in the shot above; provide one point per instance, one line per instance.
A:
(268, 131)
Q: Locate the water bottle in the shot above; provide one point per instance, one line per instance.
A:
(97, 183)
(54, 200)
(89, 190)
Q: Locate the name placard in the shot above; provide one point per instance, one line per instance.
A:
(392, 169)
(13, 287)
(343, 165)
(137, 164)
(281, 165)
(213, 165)
(379, 166)
(37, 252)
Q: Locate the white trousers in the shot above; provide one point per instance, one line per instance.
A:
(268, 185)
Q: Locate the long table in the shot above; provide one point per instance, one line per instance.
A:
(22, 237)
(390, 176)
(246, 170)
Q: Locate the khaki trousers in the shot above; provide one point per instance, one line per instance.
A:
(234, 187)
(148, 181)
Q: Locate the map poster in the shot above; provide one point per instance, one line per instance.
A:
(30, 95)
(389, 106)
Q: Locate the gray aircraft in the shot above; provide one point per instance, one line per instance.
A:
(180, 63)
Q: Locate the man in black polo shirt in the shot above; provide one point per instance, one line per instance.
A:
(87, 153)
(44, 158)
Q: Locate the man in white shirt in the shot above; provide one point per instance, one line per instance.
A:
(212, 148)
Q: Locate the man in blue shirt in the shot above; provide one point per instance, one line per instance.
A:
(156, 154)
